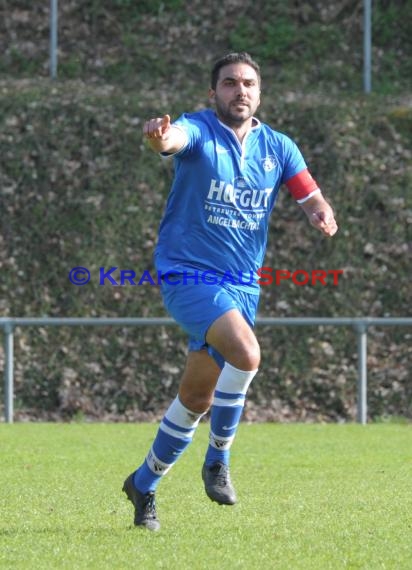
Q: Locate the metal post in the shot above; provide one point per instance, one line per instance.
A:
(362, 330)
(8, 372)
(367, 45)
(53, 38)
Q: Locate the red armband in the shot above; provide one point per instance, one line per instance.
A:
(302, 185)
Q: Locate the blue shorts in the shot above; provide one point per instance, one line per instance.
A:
(196, 306)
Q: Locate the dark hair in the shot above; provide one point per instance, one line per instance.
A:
(241, 57)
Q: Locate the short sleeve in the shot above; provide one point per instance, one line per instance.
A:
(193, 130)
(293, 160)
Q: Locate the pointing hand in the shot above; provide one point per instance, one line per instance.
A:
(157, 128)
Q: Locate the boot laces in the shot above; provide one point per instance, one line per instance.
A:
(149, 505)
(222, 475)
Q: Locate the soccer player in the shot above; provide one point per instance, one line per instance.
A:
(228, 170)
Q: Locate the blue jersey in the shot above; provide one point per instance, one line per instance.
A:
(218, 209)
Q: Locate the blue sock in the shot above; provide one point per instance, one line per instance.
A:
(226, 411)
(175, 432)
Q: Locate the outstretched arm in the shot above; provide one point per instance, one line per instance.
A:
(163, 136)
(320, 214)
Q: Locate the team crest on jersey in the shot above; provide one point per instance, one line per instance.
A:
(269, 163)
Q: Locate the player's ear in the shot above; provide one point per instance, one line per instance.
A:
(212, 95)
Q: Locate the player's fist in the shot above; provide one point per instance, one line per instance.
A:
(157, 128)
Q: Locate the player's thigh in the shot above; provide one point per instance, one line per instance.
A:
(234, 338)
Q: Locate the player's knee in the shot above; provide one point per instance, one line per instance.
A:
(198, 402)
(246, 356)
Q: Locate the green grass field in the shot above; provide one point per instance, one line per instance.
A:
(310, 497)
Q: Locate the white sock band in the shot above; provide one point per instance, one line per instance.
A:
(182, 416)
(180, 422)
(234, 381)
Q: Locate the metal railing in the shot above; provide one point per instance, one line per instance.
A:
(367, 42)
(360, 325)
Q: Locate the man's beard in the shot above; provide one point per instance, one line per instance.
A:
(233, 118)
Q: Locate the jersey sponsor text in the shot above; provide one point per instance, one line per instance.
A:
(242, 198)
